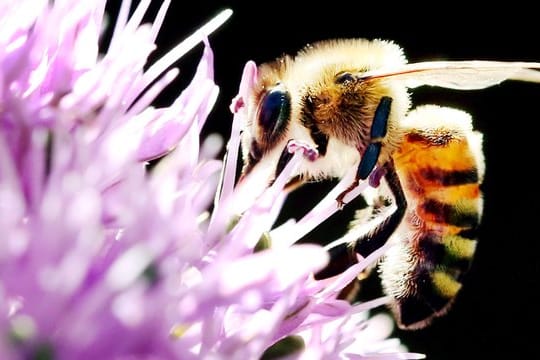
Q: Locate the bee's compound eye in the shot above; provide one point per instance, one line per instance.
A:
(344, 77)
(275, 110)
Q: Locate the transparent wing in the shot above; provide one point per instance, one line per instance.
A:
(462, 75)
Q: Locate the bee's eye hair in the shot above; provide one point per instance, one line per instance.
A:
(344, 77)
(275, 110)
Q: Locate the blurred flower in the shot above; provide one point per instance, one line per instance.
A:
(102, 258)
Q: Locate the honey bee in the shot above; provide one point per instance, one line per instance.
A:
(349, 99)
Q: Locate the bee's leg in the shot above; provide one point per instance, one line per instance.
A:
(343, 255)
(378, 237)
(370, 155)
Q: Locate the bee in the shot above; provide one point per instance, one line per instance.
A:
(350, 99)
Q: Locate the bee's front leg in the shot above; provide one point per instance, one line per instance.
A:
(340, 199)
(374, 180)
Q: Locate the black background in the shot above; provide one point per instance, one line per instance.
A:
(496, 312)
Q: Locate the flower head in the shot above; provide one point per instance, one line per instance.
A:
(102, 257)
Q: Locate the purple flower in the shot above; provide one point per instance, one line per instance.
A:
(103, 258)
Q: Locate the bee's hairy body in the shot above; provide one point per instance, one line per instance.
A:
(441, 166)
(339, 97)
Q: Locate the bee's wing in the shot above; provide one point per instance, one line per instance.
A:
(462, 75)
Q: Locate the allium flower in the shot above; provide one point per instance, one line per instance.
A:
(102, 258)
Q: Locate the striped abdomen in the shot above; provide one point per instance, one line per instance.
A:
(440, 165)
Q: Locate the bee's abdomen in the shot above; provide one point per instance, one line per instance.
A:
(440, 165)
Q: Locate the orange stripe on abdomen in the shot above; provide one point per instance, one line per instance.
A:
(441, 179)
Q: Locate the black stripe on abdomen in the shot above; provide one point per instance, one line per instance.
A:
(463, 214)
(451, 253)
(450, 177)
